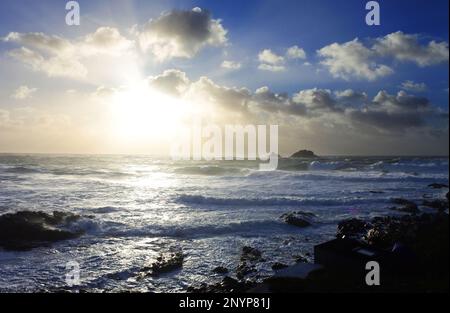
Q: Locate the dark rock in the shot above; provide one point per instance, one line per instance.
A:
(407, 209)
(304, 154)
(437, 186)
(299, 218)
(249, 257)
(29, 229)
(439, 204)
(220, 270)
(164, 264)
(352, 228)
(250, 254)
(406, 204)
(301, 259)
(244, 269)
(227, 285)
(278, 266)
(407, 229)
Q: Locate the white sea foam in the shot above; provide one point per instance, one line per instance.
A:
(134, 207)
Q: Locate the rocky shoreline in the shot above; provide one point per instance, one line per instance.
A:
(416, 242)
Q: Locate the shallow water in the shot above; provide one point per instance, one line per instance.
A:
(135, 207)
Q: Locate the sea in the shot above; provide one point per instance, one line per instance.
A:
(135, 208)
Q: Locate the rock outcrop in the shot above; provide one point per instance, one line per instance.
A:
(299, 218)
(26, 230)
(304, 154)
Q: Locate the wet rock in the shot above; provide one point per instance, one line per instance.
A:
(437, 186)
(250, 254)
(299, 218)
(351, 228)
(439, 204)
(220, 270)
(406, 209)
(165, 263)
(122, 275)
(244, 269)
(233, 285)
(301, 259)
(407, 205)
(408, 229)
(249, 257)
(278, 266)
(227, 285)
(29, 229)
(304, 154)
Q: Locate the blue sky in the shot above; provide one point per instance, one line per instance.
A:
(255, 24)
(251, 27)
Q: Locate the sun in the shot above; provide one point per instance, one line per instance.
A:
(142, 113)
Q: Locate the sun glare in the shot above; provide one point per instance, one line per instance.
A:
(142, 113)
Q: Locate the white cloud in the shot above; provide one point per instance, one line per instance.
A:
(60, 57)
(23, 92)
(271, 68)
(170, 81)
(56, 66)
(270, 61)
(412, 86)
(406, 47)
(352, 59)
(41, 41)
(269, 57)
(105, 40)
(233, 99)
(295, 52)
(385, 112)
(350, 96)
(181, 34)
(315, 99)
(231, 65)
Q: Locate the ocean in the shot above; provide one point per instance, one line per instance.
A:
(134, 208)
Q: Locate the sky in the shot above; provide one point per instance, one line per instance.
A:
(134, 72)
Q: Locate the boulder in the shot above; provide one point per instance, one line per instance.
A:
(165, 263)
(220, 270)
(244, 269)
(29, 229)
(301, 259)
(299, 218)
(249, 257)
(278, 266)
(406, 204)
(250, 254)
(352, 228)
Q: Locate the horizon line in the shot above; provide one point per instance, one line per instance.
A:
(163, 155)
